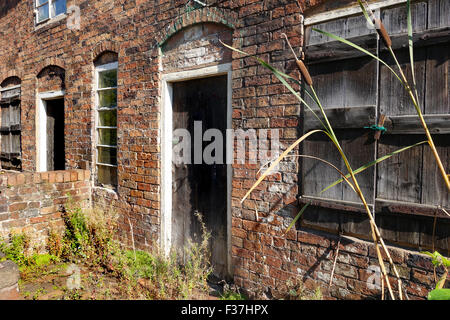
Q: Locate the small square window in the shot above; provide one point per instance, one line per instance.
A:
(48, 9)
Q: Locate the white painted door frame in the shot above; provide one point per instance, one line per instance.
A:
(41, 127)
(166, 148)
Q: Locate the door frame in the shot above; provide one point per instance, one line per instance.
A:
(166, 148)
(41, 127)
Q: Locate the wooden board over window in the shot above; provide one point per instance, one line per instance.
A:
(356, 90)
(10, 129)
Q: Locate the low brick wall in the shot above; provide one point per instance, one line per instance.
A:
(265, 259)
(30, 201)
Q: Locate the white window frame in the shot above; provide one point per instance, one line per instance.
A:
(98, 70)
(50, 16)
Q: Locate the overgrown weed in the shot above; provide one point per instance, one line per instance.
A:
(89, 241)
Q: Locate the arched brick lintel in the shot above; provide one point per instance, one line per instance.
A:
(202, 15)
(104, 46)
(49, 62)
(11, 74)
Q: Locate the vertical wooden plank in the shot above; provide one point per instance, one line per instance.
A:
(394, 100)
(359, 147)
(434, 191)
(438, 14)
(400, 177)
(350, 82)
(317, 175)
(50, 139)
(15, 113)
(387, 223)
(408, 230)
(347, 27)
(438, 80)
(5, 115)
(15, 143)
(442, 236)
(395, 19)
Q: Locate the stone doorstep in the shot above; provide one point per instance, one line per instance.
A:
(9, 278)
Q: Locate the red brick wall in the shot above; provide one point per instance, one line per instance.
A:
(134, 29)
(265, 260)
(30, 202)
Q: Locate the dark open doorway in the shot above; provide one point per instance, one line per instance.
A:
(56, 155)
(201, 188)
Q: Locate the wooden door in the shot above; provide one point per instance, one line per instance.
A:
(201, 188)
(55, 135)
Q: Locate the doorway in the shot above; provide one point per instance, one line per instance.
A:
(55, 135)
(192, 189)
(52, 154)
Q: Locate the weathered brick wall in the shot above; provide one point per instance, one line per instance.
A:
(31, 202)
(266, 260)
(134, 29)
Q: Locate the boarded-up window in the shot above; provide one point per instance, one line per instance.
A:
(357, 91)
(106, 125)
(10, 128)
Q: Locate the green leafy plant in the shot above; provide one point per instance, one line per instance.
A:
(15, 249)
(439, 293)
(232, 295)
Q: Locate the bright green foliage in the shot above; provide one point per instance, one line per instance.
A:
(232, 295)
(15, 249)
(438, 259)
(439, 294)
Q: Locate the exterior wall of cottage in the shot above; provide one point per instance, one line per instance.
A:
(31, 202)
(150, 38)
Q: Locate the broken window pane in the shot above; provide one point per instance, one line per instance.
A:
(107, 137)
(107, 79)
(107, 155)
(41, 2)
(107, 98)
(107, 118)
(107, 175)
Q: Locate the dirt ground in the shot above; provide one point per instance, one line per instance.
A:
(71, 282)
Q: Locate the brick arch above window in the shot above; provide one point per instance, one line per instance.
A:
(103, 47)
(11, 74)
(10, 81)
(203, 15)
(49, 62)
(51, 78)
